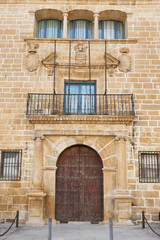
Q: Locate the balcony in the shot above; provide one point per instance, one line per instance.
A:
(42, 106)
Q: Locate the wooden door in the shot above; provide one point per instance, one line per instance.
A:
(79, 185)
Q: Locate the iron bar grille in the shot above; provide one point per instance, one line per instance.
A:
(149, 166)
(80, 104)
(10, 165)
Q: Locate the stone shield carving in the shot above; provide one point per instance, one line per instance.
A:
(125, 60)
(80, 54)
(32, 61)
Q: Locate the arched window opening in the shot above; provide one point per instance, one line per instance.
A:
(80, 29)
(111, 29)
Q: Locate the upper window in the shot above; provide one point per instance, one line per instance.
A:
(80, 98)
(10, 167)
(111, 29)
(49, 28)
(149, 167)
(80, 29)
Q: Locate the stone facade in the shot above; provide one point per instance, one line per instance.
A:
(27, 65)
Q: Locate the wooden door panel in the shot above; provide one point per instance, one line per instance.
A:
(79, 185)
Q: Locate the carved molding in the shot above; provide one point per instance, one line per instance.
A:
(55, 119)
(62, 40)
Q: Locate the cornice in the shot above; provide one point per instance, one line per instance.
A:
(78, 119)
(62, 40)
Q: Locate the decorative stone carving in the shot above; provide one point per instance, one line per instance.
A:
(32, 58)
(48, 62)
(37, 135)
(80, 54)
(120, 137)
(125, 60)
(33, 46)
(112, 63)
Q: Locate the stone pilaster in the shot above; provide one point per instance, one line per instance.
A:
(96, 16)
(109, 185)
(36, 194)
(122, 199)
(65, 20)
(121, 170)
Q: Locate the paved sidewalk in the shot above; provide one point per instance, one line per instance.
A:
(82, 232)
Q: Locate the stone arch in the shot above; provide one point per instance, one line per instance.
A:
(104, 146)
(80, 14)
(48, 14)
(89, 141)
(113, 15)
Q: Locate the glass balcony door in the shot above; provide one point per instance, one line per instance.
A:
(80, 98)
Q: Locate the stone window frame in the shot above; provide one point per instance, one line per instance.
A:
(115, 15)
(149, 166)
(47, 14)
(11, 166)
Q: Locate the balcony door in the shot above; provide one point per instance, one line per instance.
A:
(80, 98)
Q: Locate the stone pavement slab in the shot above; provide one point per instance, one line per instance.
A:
(82, 232)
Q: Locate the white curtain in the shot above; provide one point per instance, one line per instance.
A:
(80, 101)
(80, 29)
(10, 165)
(41, 29)
(120, 30)
(109, 30)
(49, 28)
(90, 30)
(52, 29)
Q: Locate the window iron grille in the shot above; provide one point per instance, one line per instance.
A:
(149, 166)
(10, 164)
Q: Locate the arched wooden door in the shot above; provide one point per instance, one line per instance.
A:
(79, 185)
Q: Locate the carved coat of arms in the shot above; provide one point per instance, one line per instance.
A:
(32, 58)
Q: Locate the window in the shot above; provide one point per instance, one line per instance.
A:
(80, 98)
(149, 167)
(10, 165)
(111, 29)
(80, 29)
(49, 28)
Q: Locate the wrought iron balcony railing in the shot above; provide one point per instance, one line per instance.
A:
(80, 104)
